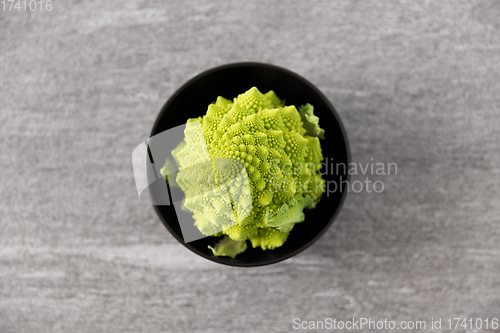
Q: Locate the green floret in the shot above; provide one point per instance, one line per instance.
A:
(273, 98)
(269, 239)
(249, 168)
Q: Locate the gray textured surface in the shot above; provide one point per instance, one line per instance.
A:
(416, 83)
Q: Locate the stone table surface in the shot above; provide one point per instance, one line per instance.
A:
(415, 83)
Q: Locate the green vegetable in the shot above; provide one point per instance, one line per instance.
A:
(248, 169)
(228, 247)
(311, 121)
(289, 214)
(168, 168)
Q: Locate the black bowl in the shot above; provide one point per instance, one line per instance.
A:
(228, 81)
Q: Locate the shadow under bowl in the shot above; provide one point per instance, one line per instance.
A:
(192, 100)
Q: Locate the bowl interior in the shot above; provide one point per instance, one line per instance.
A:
(192, 100)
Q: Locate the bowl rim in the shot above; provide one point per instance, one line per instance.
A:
(335, 115)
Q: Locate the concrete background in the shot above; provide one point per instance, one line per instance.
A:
(416, 83)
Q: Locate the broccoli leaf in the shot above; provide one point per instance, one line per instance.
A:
(311, 122)
(228, 247)
(169, 168)
(288, 214)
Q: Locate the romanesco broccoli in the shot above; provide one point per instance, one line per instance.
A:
(248, 168)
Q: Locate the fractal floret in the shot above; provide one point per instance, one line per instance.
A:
(249, 168)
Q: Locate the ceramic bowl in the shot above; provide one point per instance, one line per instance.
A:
(191, 101)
